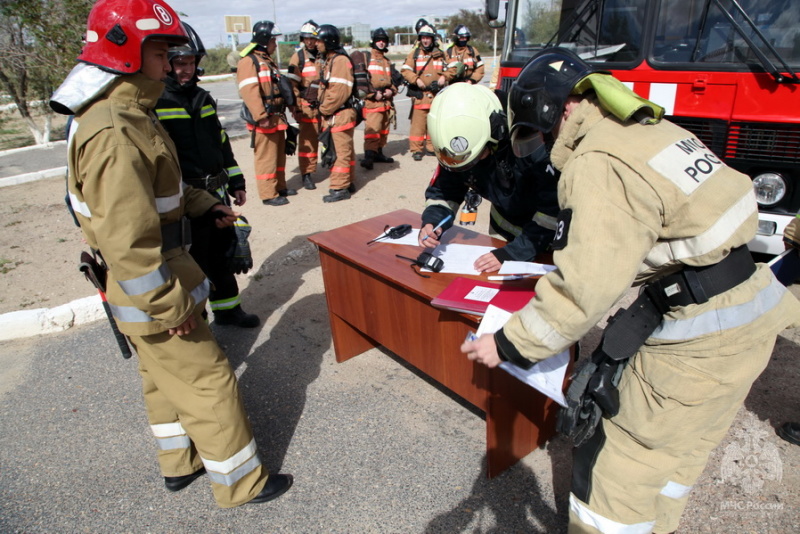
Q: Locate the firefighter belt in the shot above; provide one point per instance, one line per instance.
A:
(593, 392)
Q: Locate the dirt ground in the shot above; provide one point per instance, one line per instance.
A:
(749, 485)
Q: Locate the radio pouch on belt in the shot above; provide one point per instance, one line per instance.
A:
(593, 391)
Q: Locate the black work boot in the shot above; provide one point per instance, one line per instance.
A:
(277, 201)
(178, 483)
(369, 156)
(336, 195)
(276, 486)
(381, 158)
(418, 156)
(236, 317)
(790, 432)
(287, 192)
(308, 182)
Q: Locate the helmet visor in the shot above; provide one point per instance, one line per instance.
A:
(455, 162)
(525, 140)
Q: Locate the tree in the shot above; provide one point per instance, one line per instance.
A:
(39, 41)
(482, 35)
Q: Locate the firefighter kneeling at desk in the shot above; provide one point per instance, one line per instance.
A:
(469, 131)
(642, 202)
(125, 187)
(189, 114)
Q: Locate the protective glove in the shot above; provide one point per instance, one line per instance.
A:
(239, 259)
(291, 140)
(791, 234)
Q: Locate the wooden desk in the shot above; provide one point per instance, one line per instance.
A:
(376, 299)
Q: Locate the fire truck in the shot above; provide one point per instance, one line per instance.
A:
(722, 69)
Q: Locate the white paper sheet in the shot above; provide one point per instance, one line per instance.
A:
(458, 258)
(547, 376)
(408, 239)
(525, 267)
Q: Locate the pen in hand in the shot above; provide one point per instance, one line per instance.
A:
(441, 223)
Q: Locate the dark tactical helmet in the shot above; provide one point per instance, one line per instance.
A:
(537, 97)
(329, 35)
(461, 33)
(420, 23)
(193, 48)
(264, 31)
(309, 29)
(379, 34)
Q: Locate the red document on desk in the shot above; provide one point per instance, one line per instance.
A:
(466, 295)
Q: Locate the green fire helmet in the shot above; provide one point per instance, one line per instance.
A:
(462, 121)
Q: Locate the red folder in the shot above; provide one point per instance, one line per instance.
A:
(454, 297)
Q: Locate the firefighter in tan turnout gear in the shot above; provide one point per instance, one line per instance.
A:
(463, 60)
(125, 187)
(642, 202)
(303, 71)
(424, 70)
(258, 77)
(378, 107)
(335, 108)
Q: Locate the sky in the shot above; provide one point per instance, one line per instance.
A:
(207, 16)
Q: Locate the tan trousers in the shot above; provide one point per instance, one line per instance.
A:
(418, 139)
(376, 128)
(343, 172)
(308, 140)
(677, 404)
(196, 413)
(270, 163)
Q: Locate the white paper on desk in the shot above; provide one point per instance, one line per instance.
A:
(408, 239)
(458, 258)
(525, 267)
(547, 376)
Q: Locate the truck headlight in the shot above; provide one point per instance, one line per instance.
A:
(770, 188)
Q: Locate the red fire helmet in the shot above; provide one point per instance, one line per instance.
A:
(116, 30)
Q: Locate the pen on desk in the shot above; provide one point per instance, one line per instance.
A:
(512, 277)
(439, 226)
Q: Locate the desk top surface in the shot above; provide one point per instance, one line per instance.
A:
(349, 243)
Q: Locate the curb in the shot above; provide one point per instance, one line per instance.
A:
(27, 323)
(57, 172)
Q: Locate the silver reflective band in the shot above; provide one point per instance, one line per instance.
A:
(167, 204)
(503, 223)
(673, 490)
(131, 314)
(723, 319)
(230, 471)
(147, 282)
(79, 206)
(171, 444)
(170, 436)
(603, 524)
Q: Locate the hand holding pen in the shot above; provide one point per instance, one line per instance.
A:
(428, 236)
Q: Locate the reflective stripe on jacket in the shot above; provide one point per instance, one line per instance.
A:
(125, 179)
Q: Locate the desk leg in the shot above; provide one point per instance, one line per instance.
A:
(518, 420)
(348, 341)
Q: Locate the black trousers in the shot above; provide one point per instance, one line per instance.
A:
(209, 248)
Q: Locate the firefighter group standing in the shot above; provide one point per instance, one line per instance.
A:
(627, 213)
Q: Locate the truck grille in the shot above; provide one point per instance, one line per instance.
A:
(763, 141)
(752, 141)
(713, 133)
